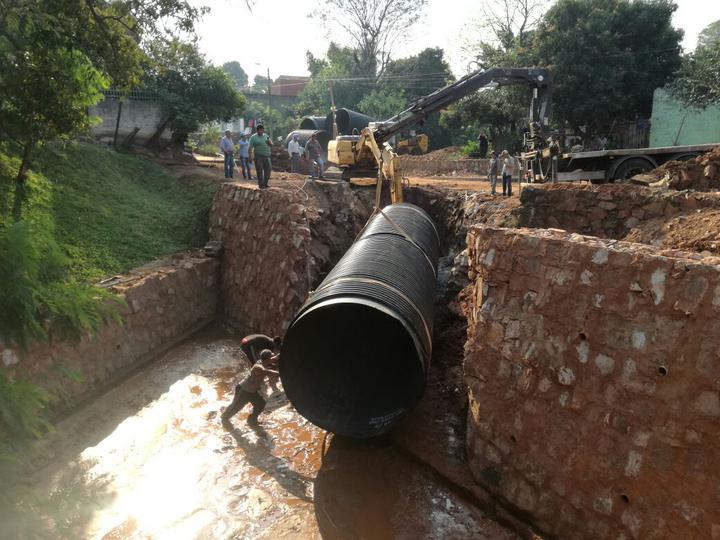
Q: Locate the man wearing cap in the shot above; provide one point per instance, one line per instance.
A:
(227, 147)
(248, 391)
(260, 151)
(294, 151)
(314, 152)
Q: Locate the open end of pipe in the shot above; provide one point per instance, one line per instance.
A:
(351, 368)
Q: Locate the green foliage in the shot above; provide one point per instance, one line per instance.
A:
(469, 148)
(111, 211)
(698, 82)
(355, 88)
(193, 92)
(607, 57)
(236, 73)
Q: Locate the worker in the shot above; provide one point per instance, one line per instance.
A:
(509, 167)
(492, 172)
(253, 344)
(314, 152)
(483, 145)
(227, 147)
(245, 157)
(294, 151)
(260, 151)
(248, 391)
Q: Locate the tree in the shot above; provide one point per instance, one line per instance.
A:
(607, 58)
(709, 37)
(698, 82)
(372, 26)
(260, 83)
(55, 57)
(507, 24)
(193, 92)
(236, 73)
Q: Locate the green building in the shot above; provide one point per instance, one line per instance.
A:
(674, 124)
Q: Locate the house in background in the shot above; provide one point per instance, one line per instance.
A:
(674, 124)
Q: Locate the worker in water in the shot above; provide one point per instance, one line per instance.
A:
(482, 145)
(253, 344)
(509, 167)
(492, 172)
(249, 389)
(314, 153)
(294, 150)
(260, 152)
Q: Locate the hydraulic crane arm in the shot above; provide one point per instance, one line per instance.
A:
(371, 147)
(539, 79)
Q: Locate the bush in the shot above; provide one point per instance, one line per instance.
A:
(470, 148)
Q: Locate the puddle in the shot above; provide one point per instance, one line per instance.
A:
(149, 459)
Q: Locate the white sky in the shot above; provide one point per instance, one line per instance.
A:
(277, 33)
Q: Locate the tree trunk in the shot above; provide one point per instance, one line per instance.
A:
(20, 188)
(154, 141)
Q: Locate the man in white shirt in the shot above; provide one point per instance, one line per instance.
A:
(227, 147)
(509, 167)
(294, 150)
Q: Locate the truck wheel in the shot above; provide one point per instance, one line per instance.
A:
(630, 168)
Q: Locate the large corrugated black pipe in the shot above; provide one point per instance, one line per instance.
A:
(314, 122)
(348, 121)
(355, 357)
(323, 137)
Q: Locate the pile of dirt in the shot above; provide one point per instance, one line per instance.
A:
(697, 231)
(281, 160)
(701, 173)
(442, 154)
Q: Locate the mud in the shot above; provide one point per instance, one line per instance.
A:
(149, 459)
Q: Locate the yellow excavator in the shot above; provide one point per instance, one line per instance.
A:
(416, 145)
(370, 153)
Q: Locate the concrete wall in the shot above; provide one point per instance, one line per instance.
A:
(278, 245)
(146, 115)
(166, 301)
(674, 124)
(592, 367)
(608, 211)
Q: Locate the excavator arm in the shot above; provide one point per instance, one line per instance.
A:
(372, 145)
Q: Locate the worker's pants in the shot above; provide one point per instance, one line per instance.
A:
(294, 163)
(483, 151)
(507, 184)
(229, 164)
(245, 165)
(319, 163)
(262, 168)
(493, 182)
(242, 398)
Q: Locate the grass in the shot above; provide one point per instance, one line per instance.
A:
(111, 211)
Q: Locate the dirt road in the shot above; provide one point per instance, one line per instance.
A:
(149, 459)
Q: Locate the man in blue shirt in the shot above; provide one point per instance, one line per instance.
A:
(227, 147)
(245, 156)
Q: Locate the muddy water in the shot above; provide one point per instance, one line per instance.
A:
(149, 459)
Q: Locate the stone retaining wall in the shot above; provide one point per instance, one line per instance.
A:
(608, 211)
(594, 383)
(165, 302)
(278, 245)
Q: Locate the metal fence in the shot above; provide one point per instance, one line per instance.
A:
(134, 94)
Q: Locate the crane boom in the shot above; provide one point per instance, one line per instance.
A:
(425, 106)
(371, 149)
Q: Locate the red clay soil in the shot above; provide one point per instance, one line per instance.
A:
(701, 173)
(442, 154)
(698, 231)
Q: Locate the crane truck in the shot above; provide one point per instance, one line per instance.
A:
(370, 152)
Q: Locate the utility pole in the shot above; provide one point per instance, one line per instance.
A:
(269, 98)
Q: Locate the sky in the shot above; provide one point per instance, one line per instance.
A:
(277, 33)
